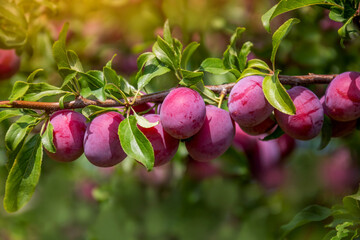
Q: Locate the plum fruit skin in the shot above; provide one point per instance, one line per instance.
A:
(261, 128)
(182, 113)
(164, 145)
(9, 63)
(101, 142)
(247, 103)
(215, 136)
(69, 130)
(308, 120)
(342, 97)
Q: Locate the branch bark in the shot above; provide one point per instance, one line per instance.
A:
(158, 96)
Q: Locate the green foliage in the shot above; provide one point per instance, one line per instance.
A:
(135, 144)
(276, 94)
(24, 175)
(309, 214)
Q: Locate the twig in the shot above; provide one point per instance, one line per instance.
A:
(158, 96)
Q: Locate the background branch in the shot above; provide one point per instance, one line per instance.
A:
(158, 96)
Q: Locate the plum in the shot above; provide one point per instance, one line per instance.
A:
(68, 135)
(159, 176)
(247, 103)
(164, 145)
(261, 128)
(215, 136)
(286, 144)
(9, 63)
(101, 142)
(201, 170)
(182, 113)
(342, 97)
(308, 120)
(339, 172)
(244, 142)
(339, 128)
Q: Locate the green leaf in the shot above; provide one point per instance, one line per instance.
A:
(214, 66)
(165, 53)
(90, 112)
(208, 95)
(59, 49)
(92, 84)
(266, 18)
(69, 77)
(244, 52)
(276, 94)
(326, 132)
(230, 57)
(190, 78)
(250, 72)
(18, 91)
(24, 175)
(19, 130)
(135, 144)
(257, 63)
(63, 98)
(274, 135)
(343, 32)
(14, 27)
(342, 231)
(112, 77)
(313, 213)
(151, 70)
(47, 138)
(187, 53)
(31, 77)
(167, 33)
(37, 91)
(5, 114)
(279, 35)
(289, 5)
(143, 122)
(74, 61)
(352, 203)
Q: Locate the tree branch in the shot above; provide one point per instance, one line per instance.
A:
(158, 96)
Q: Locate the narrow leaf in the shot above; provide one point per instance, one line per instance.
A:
(274, 135)
(143, 122)
(47, 138)
(289, 5)
(244, 52)
(313, 213)
(24, 175)
(165, 53)
(326, 132)
(90, 112)
(276, 94)
(59, 49)
(151, 70)
(188, 52)
(167, 33)
(214, 66)
(19, 130)
(190, 78)
(5, 114)
(278, 36)
(19, 90)
(135, 144)
(257, 63)
(31, 77)
(74, 61)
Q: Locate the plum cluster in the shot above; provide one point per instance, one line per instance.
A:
(209, 131)
(9, 63)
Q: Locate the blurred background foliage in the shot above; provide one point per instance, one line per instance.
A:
(182, 200)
